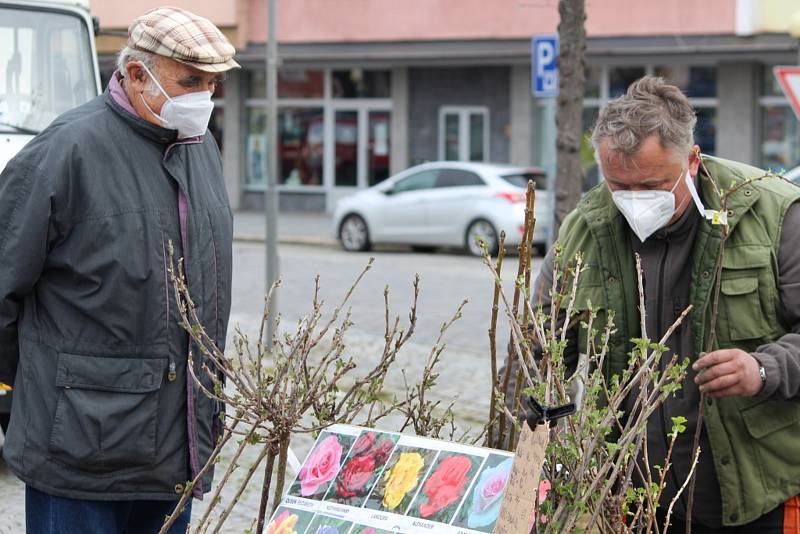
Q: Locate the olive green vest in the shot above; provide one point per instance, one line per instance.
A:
(755, 442)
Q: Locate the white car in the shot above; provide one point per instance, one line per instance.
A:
(445, 203)
(793, 175)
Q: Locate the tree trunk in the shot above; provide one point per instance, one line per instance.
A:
(569, 127)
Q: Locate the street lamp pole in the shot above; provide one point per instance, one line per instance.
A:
(271, 194)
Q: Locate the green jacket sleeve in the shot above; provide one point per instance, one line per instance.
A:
(781, 359)
(541, 295)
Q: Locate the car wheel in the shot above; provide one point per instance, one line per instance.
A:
(479, 231)
(354, 234)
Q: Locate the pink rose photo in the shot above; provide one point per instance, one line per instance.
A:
(322, 465)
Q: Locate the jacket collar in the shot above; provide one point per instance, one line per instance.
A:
(158, 134)
(724, 176)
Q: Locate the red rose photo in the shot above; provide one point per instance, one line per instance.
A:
(362, 468)
(445, 487)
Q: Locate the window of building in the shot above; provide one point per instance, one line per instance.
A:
(326, 136)
(292, 83)
(361, 83)
(378, 149)
(300, 146)
(463, 133)
(619, 78)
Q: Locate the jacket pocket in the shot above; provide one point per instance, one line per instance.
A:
(773, 427)
(105, 418)
(741, 312)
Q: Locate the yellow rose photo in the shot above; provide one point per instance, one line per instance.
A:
(400, 479)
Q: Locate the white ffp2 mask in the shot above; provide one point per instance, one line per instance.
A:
(648, 211)
(189, 113)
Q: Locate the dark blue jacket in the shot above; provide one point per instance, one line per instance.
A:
(89, 332)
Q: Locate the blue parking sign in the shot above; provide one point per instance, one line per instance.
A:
(544, 59)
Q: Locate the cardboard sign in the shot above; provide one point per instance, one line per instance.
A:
(516, 512)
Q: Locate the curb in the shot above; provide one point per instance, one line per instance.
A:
(288, 240)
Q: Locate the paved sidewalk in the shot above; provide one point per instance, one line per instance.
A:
(293, 227)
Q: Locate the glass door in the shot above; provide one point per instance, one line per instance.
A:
(379, 146)
(463, 133)
(362, 153)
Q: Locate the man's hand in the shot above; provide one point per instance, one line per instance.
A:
(728, 373)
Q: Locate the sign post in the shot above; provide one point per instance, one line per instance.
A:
(544, 59)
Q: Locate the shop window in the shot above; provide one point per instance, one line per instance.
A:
(379, 147)
(361, 83)
(694, 81)
(705, 131)
(292, 83)
(346, 153)
(256, 148)
(592, 75)
(300, 146)
(619, 78)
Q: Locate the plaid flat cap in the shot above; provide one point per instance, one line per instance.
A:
(183, 36)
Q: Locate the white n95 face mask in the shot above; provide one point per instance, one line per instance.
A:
(647, 211)
(189, 113)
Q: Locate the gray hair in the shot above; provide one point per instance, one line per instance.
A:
(650, 107)
(128, 54)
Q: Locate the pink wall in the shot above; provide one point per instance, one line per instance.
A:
(120, 13)
(405, 20)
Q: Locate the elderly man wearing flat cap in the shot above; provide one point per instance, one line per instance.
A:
(107, 425)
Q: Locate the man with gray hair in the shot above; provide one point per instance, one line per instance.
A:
(660, 200)
(107, 425)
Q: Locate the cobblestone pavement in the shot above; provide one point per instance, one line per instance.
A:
(446, 279)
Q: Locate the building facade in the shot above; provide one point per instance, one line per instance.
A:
(367, 88)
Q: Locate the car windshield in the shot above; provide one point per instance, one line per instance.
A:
(520, 179)
(46, 67)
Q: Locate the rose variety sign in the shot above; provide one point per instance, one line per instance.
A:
(364, 481)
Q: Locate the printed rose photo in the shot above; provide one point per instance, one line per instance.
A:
(289, 521)
(482, 506)
(445, 486)
(400, 479)
(323, 524)
(363, 468)
(321, 466)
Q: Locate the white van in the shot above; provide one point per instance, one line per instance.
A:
(48, 65)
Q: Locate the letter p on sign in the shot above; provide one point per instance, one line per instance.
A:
(544, 56)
